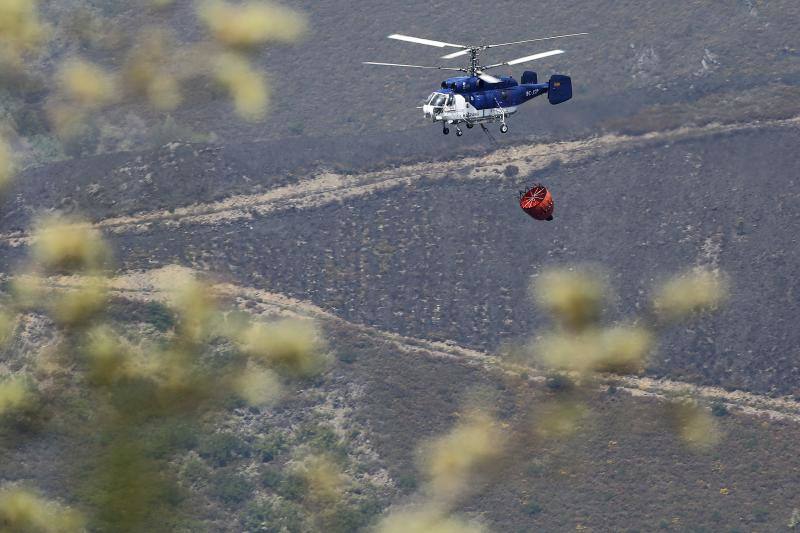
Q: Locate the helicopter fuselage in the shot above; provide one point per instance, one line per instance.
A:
(471, 100)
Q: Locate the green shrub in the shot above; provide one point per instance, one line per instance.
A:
(195, 471)
(160, 316)
(293, 487)
(277, 516)
(407, 482)
(348, 357)
(559, 383)
(222, 448)
(167, 438)
(269, 447)
(760, 514)
(271, 478)
(348, 518)
(322, 439)
(533, 508)
(230, 487)
(719, 409)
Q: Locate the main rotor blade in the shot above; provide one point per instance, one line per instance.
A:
(466, 51)
(413, 66)
(535, 40)
(428, 42)
(525, 59)
(487, 78)
(456, 54)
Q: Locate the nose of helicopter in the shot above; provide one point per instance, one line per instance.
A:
(431, 113)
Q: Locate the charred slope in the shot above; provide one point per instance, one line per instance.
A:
(453, 259)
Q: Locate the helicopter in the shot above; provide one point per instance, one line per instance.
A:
(479, 97)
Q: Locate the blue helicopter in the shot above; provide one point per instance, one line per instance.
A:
(479, 97)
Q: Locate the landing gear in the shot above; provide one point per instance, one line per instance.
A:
(470, 126)
(446, 130)
(459, 133)
(503, 129)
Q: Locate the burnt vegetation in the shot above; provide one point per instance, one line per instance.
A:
(419, 357)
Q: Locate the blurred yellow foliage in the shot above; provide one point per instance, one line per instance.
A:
(195, 305)
(106, 356)
(20, 28)
(324, 478)
(68, 244)
(68, 121)
(561, 419)
(695, 424)
(27, 291)
(164, 92)
(621, 349)
(6, 165)
(252, 23)
(246, 86)
(147, 72)
(428, 519)
(7, 322)
(73, 307)
(258, 386)
(625, 349)
(86, 84)
(695, 291)
(293, 346)
(574, 298)
(26, 512)
(450, 460)
(15, 393)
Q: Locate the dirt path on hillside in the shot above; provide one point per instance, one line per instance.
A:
(154, 285)
(326, 188)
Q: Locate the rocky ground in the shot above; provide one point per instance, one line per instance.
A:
(678, 151)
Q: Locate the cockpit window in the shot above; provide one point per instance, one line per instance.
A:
(438, 99)
(431, 97)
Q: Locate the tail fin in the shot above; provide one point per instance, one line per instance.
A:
(559, 89)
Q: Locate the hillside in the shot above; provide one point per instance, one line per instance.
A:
(385, 387)
(441, 251)
(410, 252)
(643, 67)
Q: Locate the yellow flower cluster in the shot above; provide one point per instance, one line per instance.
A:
(6, 165)
(246, 86)
(251, 24)
(692, 292)
(86, 84)
(20, 29)
(23, 510)
(574, 297)
(292, 346)
(449, 461)
(15, 394)
(64, 244)
(620, 349)
(695, 424)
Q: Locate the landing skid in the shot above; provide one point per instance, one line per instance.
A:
(470, 125)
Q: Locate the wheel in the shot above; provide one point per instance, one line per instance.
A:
(446, 131)
(459, 133)
(503, 129)
(470, 126)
